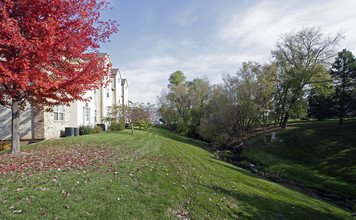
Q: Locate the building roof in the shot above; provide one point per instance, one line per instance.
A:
(123, 81)
(102, 54)
(114, 71)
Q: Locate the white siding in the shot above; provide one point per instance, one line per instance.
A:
(125, 92)
(38, 124)
(26, 123)
(56, 128)
(81, 110)
(107, 100)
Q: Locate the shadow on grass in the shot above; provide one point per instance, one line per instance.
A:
(165, 132)
(325, 149)
(235, 168)
(260, 206)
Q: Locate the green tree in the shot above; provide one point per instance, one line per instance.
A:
(135, 114)
(199, 91)
(114, 113)
(240, 104)
(177, 104)
(344, 74)
(182, 104)
(218, 120)
(320, 106)
(177, 78)
(302, 58)
(265, 89)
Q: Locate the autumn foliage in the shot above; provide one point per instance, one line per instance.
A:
(43, 44)
(49, 53)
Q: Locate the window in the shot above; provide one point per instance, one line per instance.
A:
(86, 114)
(107, 112)
(58, 112)
(95, 116)
(107, 92)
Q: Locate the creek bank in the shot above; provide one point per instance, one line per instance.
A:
(233, 156)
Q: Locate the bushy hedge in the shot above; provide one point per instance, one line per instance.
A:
(115, 126)
(97, 129)
(85, 129)
(143, 124)
(4, 146)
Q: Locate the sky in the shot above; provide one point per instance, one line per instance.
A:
(210, 38)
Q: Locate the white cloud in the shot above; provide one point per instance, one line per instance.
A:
(149, 76)
(186, 17)
(146, 77)
(262, 23)
(236, 36)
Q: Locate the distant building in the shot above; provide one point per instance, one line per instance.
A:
(40, 125)
(154, 114)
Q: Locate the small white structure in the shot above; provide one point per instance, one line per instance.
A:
(39, 125)
(273, 137)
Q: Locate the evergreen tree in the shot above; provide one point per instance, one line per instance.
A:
(344, 73)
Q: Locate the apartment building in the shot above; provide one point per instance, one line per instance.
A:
(38, 125)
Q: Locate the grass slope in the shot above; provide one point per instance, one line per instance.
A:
(320, 155)
(156, 174)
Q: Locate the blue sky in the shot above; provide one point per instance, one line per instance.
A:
(210, 37)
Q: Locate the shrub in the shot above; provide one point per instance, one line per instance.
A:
(4, 146)
(85, 129)
(143, 124)
(97, 129)
(115, 126)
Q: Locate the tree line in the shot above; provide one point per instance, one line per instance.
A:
(302, 80)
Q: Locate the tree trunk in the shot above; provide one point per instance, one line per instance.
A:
(284, 125)
(132, 129)
(15, 143)
(264, 128)
(342, 109)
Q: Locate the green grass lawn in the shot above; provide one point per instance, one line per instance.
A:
(320, 155)
(156, 174)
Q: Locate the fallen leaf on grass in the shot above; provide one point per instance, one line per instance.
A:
(16, 211)
(19, 189)
(43, 189)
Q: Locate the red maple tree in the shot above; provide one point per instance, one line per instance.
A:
(48, 53)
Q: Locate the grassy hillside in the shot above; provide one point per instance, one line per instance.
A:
(156, 174)
(320, 155)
